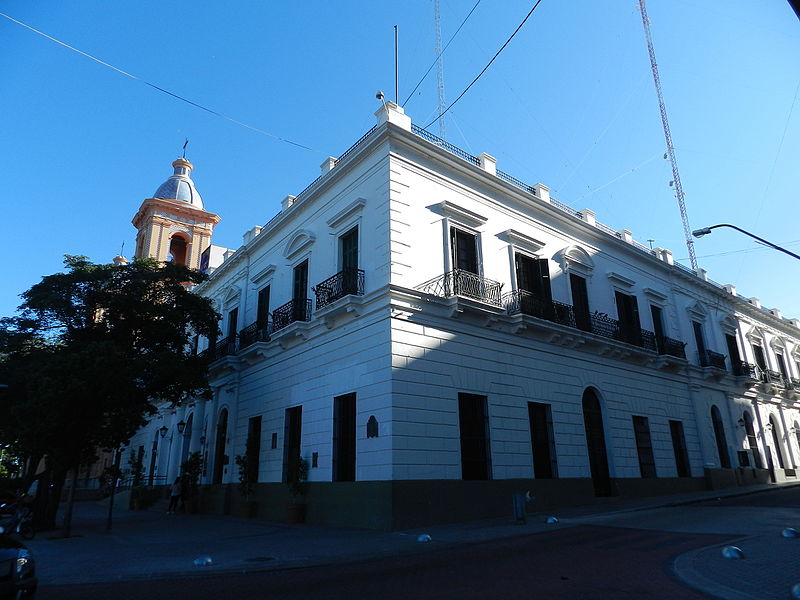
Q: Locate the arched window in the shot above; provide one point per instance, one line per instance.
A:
(178, 250)
(719, 435)
(776, 440)
(751, 439)
(596, 443)
(219, 446)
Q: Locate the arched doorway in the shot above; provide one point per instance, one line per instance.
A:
(178, 250)
(751, 439)
(219, 446)
(776, 440)
(596, 443)
(187, 438)
(719, 435)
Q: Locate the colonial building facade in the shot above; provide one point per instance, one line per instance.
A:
(432, 335)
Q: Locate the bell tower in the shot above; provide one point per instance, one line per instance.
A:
(173, 225)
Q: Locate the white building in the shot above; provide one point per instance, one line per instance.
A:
(433, 335)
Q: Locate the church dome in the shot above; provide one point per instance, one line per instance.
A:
(180, 186)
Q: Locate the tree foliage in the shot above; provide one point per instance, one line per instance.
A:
(93, 351)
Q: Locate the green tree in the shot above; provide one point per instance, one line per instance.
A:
(93, 352)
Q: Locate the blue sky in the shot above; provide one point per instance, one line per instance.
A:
(570, 103)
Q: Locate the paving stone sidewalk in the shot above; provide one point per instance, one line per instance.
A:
(152, 544)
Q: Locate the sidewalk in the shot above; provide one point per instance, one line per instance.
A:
(152, 544)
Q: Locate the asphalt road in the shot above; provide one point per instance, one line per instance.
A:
(583, 562)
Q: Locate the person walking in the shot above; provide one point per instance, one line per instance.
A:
(174, 496)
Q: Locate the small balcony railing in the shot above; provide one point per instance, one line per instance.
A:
(671, 347)
(255, 332)
(526, 303)
(794, 382)
(349, 282)
(464, 283)
(774, 377)
(294, 310)
(709, 358)
(743, 369)
(224, 347)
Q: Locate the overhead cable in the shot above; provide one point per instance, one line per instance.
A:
(160, 89)
(487, 65)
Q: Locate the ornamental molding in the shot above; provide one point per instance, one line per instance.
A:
(460, 214)
(620, 280)
(299, 241)
(520, 240)
(344, 214)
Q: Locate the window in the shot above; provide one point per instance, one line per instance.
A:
(700, 341)
(751, 439)
(580, 302)
(253, 447)
(776, 441)
(628, 312)
(464, 250)
(474, 426)
(344, 438)
(719, 436)
(178, 250)
(658, 322)
(733, 352)
(533, 283)
(348, 246)
(644, 447)
(542, 441)
(262, 309)
(300, 288)
(292, 431)
(233, 318)
(679, 446)
(761, 360)
(781, 365)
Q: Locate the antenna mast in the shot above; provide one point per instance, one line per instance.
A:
(687, 231)
(439, 66)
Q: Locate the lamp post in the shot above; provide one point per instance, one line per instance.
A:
(698, 233)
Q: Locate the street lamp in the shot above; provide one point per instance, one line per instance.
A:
(698, 233)
(181, 426)
(163, 431)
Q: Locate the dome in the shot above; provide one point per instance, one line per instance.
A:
(180, 186)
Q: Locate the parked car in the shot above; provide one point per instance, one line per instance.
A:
(17, 570)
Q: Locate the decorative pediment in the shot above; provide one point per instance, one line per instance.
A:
(697, 311)
(346, 212)
(778, 345)
(232, 295)
(729, 324)
(655, 295)
(520, 240)
(575, 258)
(262, 274)
(620, 280)
(459, 214)
(756, 335)
(300, 240)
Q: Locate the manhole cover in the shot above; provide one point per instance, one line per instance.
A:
(259, 559)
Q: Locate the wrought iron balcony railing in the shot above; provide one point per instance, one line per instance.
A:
(255, 332)
(709, 358)
(671, 347)
(795, 383)
(224, 347)
(463, 283)
(344, 283)
(522, 301)
(292, 311)
(743, 369)
(768, 376)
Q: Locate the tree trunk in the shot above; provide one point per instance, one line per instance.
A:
(70, 503)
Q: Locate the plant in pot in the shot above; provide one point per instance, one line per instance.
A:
(248, 476)
(136, 473)
(191, 469)
(297, 474)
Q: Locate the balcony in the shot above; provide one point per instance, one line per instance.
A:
(795, 384)
(349, 282)
(743, 369)
(712, 359)
(773, 377)
(523, 302)
(224, 347)
(255, 332)
(670, 347)
(465, 284)
(294, 310)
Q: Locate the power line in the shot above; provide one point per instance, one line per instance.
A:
(160, 89)
(487, 65)
(433, 64)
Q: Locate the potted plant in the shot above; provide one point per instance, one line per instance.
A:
(297, 474)
(248, 476)
(191, 469)
(136, 471)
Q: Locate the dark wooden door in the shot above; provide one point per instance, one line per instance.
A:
(596, 444)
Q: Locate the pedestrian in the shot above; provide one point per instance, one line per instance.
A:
(174, 496)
